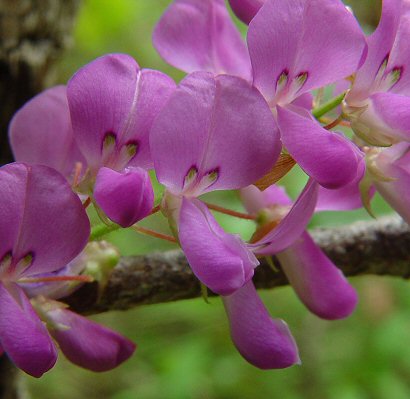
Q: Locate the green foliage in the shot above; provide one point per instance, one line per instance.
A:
(184, 352)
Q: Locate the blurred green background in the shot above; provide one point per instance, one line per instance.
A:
(184, 350)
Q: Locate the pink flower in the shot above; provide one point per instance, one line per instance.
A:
(36, 237)
(199, 35)
(102, 120)
(41, 133)
(245, 10)
(319, 284)
(378, 102)
(215, 133)
(388, 171)
(293, 49)
(264, 342)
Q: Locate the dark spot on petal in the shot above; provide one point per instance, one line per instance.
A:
(132, 148)
(282, 80)
(109, 141)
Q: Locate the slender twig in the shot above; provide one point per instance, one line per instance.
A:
(334, 123)
(153, 233)
(155, 209)
(229, 212)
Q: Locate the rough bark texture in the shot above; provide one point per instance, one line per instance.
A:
(378, 247)
(32, 35)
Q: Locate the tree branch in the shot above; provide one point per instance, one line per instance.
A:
(379, 247)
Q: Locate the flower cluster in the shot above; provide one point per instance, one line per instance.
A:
(244, 115)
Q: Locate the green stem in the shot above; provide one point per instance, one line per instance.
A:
(101, 230)
(328, 106)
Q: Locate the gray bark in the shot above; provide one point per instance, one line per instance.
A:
(33, 33)
(378, 247)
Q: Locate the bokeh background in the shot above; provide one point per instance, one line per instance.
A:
(184, 349)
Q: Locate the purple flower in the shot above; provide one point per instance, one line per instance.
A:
(347, 197)
(215, 133)
(35, 237)
(201, 142)
(83, 342)
(245, 10)
(293, 49)
(264, 342)
(113, 104)
(319, 284)
(220, 260)
(96, 261)
(41, 133)
(53, 285)
(104, 123)
(385, 170)
(199, 35)
(378, 103)
(329, 157)
(285, 226)
(126, 196)
(388, 171)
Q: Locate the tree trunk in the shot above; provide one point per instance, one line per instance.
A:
(33, 33)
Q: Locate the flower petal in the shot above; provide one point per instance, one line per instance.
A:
(58, 289)
(400, 52)
(292, 225)
(214, 125)
(345, 198)
(40, 217)
(220, 260)
(319, 38)
(396, 192)
(341, 199)
(319, 284)
(112, 98)
(305, 101)
(126, 197)
(326, 156)
(380, 44)
(245, 10)
(393, 110)
(197, 35)
(264, 342)
(23, 336)
(86, 343)
(41, 133)
(255, 200)
(398, 154)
